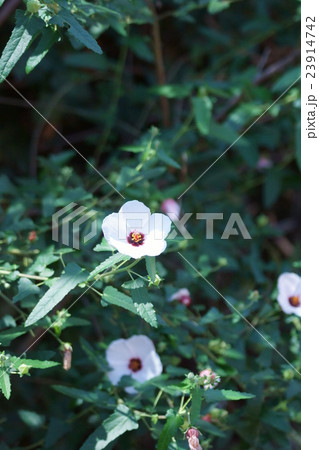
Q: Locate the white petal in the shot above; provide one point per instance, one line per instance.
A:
(134, 206)
(151, 367)
(116, 374)
(181, 293)
(152, 247)
(288, 286)
(140, 346)
(118, 353)
(160, 226)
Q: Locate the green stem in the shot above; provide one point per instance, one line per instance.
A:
(24, 275)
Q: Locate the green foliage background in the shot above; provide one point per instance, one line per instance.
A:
(151, 126)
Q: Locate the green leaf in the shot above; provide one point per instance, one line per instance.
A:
(78, 32)
(133, 284)
(48, 38)
(109, 262)
(72, 277)
(9, 335)
(202, 107)
(271, 188)
(104, 246)
(147, 312)
(151, 266)
(170, 429)
(57, 428)
(26, 288)
(115, 297)
(34, 363)
(216, 395)
(117, 424)
(5, 384)
(26, 29)
(97, 398)
(196, 403)
(140, 295)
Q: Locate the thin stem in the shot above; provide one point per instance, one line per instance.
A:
(159, 62)
(24, 275)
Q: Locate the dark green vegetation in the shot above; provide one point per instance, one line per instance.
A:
(151, 95)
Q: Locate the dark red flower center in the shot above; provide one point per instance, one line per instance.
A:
(294, 300)
(135, 364)
(185, 300)
(135, 238)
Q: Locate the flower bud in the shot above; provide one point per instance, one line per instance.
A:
(33, 6)
(24, 369)
(171, 208)
(32, 236)
(67, 356)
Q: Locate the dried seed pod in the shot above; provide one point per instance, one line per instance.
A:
(67, 356)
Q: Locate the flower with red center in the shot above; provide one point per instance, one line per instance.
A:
(135, 356)
(183, 296)
(289, 293)
(135, 232)
(171, 208)
(210, 378)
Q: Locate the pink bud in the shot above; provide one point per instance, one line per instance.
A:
(211, 379)
(264, 163)
(171, 208)
(207, 418)
(192, 432)
(183, 296)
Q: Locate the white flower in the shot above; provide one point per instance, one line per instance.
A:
(135, 232)
(183, 296)
(289, 293)
(171, 208)
(135, 356)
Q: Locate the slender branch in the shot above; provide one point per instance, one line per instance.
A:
(24, 275)
(273, 69)
(159, 62)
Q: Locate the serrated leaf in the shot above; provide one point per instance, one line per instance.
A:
(34, 363)
(118, 423)
(170, 429)
(196, 403)
(78, 32)
(26, 29)
(26, 288)
(140, 295)
(72, 277)
(147, 312)
(216, 395)
(115, 297)
(133, 284)
(109, 262)
(5, 384)
(202, 107)
(48, 38)
(151, 266)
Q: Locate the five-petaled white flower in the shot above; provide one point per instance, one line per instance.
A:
(183, 296)
(135, 356)
(289, 293)
(135, 232)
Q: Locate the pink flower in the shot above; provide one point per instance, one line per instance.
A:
(183, 296)
(210, 378)
(171, 208)
(264, 163)
(193, 441)
(207, 418)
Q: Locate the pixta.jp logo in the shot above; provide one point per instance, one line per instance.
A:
(67, 222)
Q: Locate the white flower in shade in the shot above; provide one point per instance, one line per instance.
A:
(135, 356)
(171, 208)
(135, 232)
(289, 293)
(183, 296)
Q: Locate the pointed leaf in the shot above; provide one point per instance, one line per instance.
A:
(170, 429)
(118, 423)
(48, 38)
(151, 266)
(72, 277)
(5, 384)
(26, 29)
(196, 403)
(147, 312)
(115, 297)
(109, 262)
